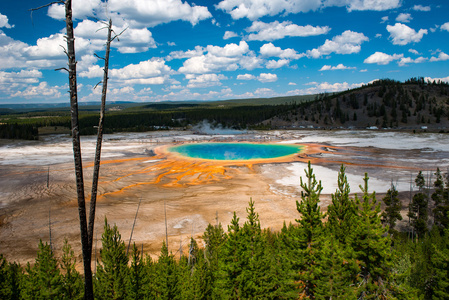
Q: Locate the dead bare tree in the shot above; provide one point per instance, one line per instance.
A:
(70, 51)
(85, 230)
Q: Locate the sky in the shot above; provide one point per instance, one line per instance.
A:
(173, 50)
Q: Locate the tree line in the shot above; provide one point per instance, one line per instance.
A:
(383, 103)
(353, 251)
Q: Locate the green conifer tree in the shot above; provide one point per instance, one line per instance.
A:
(393, 207)
(166, 284)
(112, 270)
(72, 281)
(336, 279)
(43, 280)
(418, 211)
(10, 277)
(372, 248)
(342, 211)
(136, 275)
(441, 202)
(310, 229)
(232, 264)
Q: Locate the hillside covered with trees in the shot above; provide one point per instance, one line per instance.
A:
(414, 104)
(350, 252)
(383, 104)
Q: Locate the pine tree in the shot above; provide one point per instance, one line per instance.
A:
(371, 248)
(342, 211)
(166, 275)
(232, 264)
(72, 280)
(310, 224)
(112, 271)
(43, 280)
(336, 279)
(418, 211)
(258, 277)
(136, 275)
(10, 276)
(441, 202)
(310, 229)
(393, 209)
(202, 278)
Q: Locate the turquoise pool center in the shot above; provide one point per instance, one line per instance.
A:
(235, 151)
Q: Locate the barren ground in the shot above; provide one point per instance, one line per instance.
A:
(194, 193)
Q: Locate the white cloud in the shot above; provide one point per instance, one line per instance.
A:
(407, 60)
(325, 87)
(229, 34)
(276, 64)
(186, 54)
(24, 76)
(149, 68)
(141, 13)
(275, 30)
(384, 19)
(43, 89)
(47, 47)
(421, 8)
(228, 58)
(445, 26)
(347, 43)
(230, 50)
(154, 12)
(132, 40)
(337, 67)
(153, 71)
(245, 77)
(402, 34)
(381, 58)
(443, 79)
(254, 9)
(291, 83)
(80, 9)
(4, 22)
(405, 18)
(204, 80)
(267, 77)
(264, 91)
(441, 57)
(269, 50)
(413, 51)
(377, 5)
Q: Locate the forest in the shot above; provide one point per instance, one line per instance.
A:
(351, 251)
(383, 103)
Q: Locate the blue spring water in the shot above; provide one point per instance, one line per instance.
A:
(235, 151)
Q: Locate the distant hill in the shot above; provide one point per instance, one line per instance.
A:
(415, 104)
(412, 105)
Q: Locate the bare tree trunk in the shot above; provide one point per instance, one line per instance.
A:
(88, 289)
(93, 199)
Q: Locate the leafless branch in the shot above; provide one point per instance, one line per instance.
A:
(65, 50)
(106, 27)
(59, 69)
(117, 35)
(96, 55)
(97, 85)
(43, 6)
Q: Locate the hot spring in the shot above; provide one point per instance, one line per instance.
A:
(235, 151)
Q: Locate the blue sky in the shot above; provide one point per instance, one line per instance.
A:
(211, 50)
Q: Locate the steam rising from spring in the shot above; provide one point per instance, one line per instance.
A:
(205, 127)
